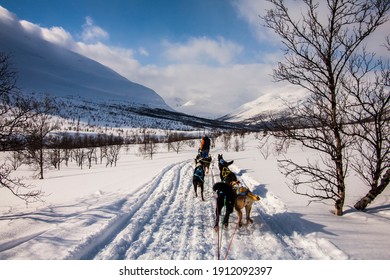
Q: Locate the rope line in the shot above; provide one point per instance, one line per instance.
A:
(231, 241)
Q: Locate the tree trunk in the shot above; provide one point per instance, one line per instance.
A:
(373, 193)
(41, 163)
(340, 188)
(339, 204)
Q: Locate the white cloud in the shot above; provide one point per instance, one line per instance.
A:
(203, 50)
(143, 51)
(31, 28)
(92, 32)
(251, 12)
(119, 59)
(56, 35)
(6, 16)
(212, 90)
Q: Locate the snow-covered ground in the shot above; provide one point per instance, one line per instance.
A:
(146, 210)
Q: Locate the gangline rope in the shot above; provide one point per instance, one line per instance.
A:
(219, 231)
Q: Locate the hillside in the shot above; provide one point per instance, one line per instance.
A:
(44, 67)
(124, 115)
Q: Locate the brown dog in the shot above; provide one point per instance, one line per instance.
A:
(244, 199)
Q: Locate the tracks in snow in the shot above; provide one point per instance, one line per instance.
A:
(164, 220)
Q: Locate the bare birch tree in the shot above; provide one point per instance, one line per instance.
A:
(319, 46)
(40, 124)
(368, 87)
(14, 111)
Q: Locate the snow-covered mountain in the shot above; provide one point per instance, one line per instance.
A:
(45, 67)
(259, 109)
(97, 95)
(85, 90)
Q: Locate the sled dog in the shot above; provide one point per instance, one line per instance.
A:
(223, 166)
(198, 178)
(244, 198)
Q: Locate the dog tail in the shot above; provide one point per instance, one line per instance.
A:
(254, 197)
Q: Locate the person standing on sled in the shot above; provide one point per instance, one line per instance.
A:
(225, 198)
(204, 147)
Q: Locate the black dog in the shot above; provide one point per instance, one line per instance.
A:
(228, 176)
(225, 173)
(225, 199)
(223, 163)
(198, 178)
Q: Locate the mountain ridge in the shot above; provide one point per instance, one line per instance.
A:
(45, 67)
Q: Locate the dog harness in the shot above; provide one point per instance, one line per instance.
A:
(225, 172)
(199, 173)
(240, 191)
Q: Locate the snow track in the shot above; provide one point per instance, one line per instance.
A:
(163, 219)
(167, 221)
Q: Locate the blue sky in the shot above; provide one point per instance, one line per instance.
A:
(214, 55)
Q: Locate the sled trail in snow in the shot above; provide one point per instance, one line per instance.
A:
(163, 219)
(166, 221)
